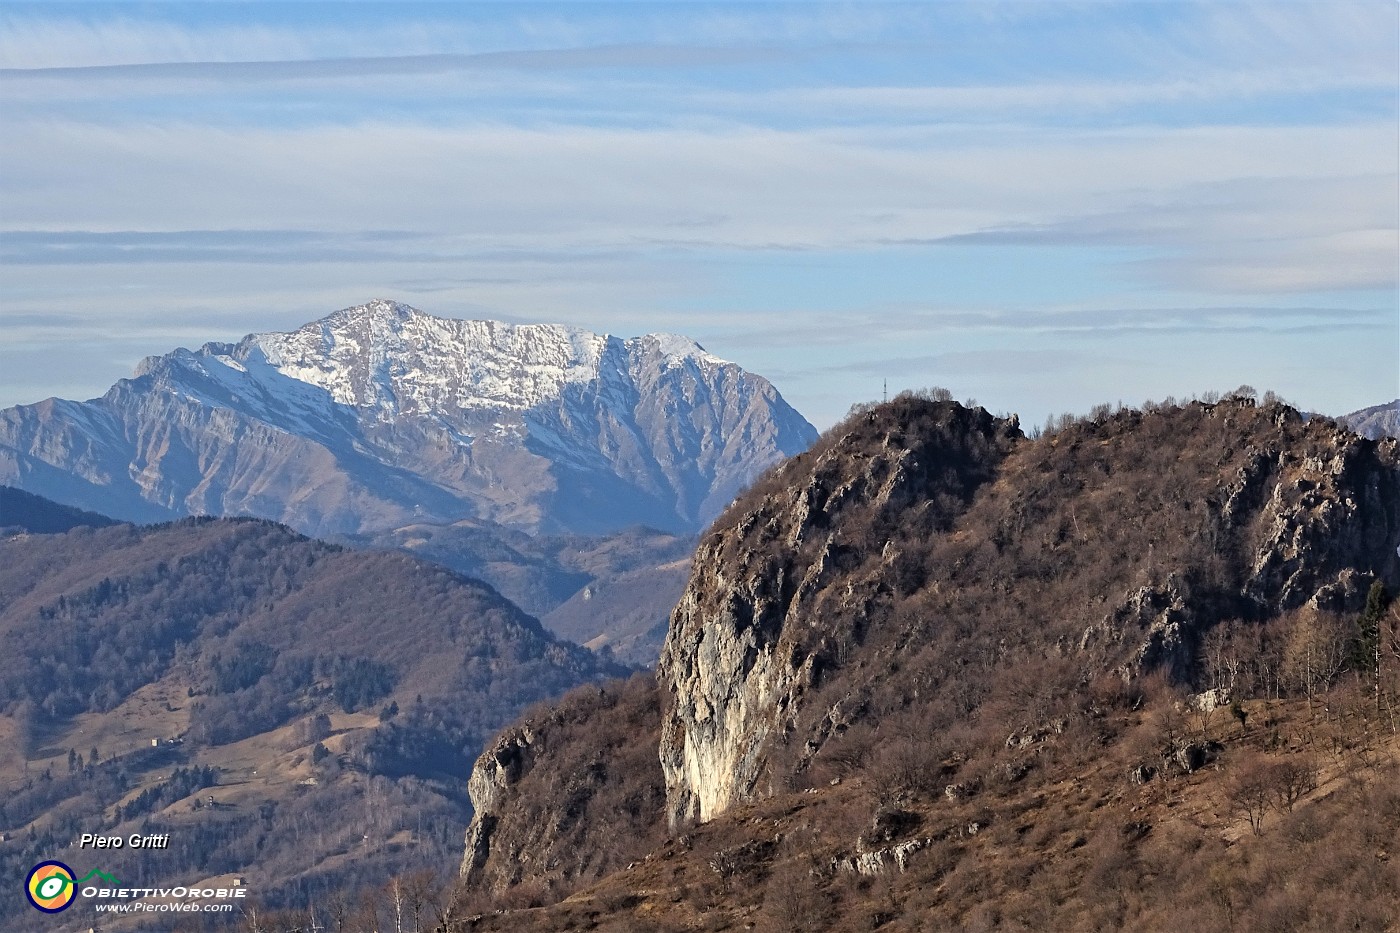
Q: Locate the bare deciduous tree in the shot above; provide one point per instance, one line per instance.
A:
(1251, 792)
(397, 896)
(422, 891)
(1292, 779)
(1314, 654)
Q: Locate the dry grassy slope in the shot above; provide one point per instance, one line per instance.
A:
(928, 601)
(110, 636)
(1074, 846)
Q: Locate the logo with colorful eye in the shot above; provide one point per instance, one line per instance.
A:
(50, 886)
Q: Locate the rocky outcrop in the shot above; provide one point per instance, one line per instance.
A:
(783, 586)
(567, 795)
(1113, 545)
(1310, 517)
(1333, 507)
(877, 862)
(493, 776)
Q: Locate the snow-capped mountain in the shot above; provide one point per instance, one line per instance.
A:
(380, 415)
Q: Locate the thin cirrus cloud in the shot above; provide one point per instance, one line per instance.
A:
(1246, 235)
(1052, 100)
(1260, 192)
(844, 330)
(41, 43)
(178, 74)
(81, 247)
(741, 173)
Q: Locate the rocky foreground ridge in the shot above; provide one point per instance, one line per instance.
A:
(1120, 541)
(789, 579)
(929, 604)
(381, 416)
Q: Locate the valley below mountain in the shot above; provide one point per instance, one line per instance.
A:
(613, 591)
(570, 470)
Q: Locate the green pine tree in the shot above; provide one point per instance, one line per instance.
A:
(1368, 627)
(1366, 649)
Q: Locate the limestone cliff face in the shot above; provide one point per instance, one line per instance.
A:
(760, 619)
(1333, 506)
(567, 795)
(495, 772)
(1113, 545)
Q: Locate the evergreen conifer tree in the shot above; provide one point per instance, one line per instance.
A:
(1366, 650)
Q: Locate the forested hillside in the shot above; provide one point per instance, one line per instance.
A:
(21, 511)
(290, 712)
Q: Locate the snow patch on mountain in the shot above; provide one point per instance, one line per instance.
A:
(394, 359)
(382, 414)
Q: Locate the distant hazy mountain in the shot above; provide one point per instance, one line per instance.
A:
(22, 511)
(381, 416)
(1375, 422)
(614, 590)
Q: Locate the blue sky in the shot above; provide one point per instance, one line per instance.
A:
(1040, 205)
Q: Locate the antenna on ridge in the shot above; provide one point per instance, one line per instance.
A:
(885, 393)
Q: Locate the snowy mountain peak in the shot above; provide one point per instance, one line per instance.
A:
(394, 359)
(380, 308)
(382, 414)
(677, 349)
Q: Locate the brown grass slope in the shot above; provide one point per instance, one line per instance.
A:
(330, 702)
(952, 646)
(1074, 845)
(584, 789)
